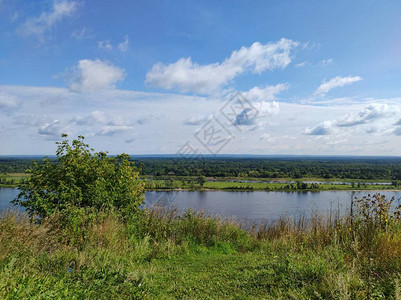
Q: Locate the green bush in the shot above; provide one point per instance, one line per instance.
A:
(81, 178)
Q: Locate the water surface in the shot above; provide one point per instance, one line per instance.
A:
(252, 206)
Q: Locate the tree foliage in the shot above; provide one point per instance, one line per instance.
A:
(81, 178)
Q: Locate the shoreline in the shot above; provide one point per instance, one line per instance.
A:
(261, 190)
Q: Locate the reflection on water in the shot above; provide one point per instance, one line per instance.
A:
(252, 206)
(261, 205)
(6, 196)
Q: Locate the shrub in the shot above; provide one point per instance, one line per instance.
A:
(81, 178)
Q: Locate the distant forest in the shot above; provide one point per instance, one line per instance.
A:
(389, 169)
(350, 168)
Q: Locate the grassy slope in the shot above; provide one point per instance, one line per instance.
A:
(194, 257)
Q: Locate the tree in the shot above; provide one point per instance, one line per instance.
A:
(201, 180)
(81, 178)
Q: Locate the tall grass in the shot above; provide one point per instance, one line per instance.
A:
(86, 255)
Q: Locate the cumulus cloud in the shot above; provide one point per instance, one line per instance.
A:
(398, 123)
(265, 93)
(110, 124)
(52, 130)
(324, 128)
(94, 75)
(123, 46)
(370, 114)
(260, 109)
(268, 108)
(338, 81)
(258, 116)
(8, 102)
(245, 117)
(188, 76)
(38, 26)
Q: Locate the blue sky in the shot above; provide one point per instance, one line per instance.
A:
(148, 76)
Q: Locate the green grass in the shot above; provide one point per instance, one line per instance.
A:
(259, 186)
(12, 179)
(160, 255)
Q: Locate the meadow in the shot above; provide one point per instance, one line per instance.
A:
(12, 179)
(192, 183)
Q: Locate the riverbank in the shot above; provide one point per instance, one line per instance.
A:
(12, 179)
(174, 183)
(250, 185)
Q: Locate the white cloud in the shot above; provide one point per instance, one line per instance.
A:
(369, 114)
(326, 62)
(188, 76)
(95, 117)
(264, 93)
(324, 128)
(38, 26)
(8, 102)
(197, 120)
(94, 75)
(104, 45)
(111, 130)
(120, 110)
(52, 130)
(372, 113)
(301, 64)
(123, 46)
(338, 81)
(268, 108)
(265, 136)
(31, 120)
(397, 131)
(263, 109)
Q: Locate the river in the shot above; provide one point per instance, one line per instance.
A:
(252, 206)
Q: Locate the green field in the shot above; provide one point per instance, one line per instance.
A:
(260, 186)
(12, 179)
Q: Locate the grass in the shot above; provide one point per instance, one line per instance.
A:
(261, 186)
(12, 179)
(163, 255)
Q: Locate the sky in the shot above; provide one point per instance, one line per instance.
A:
(194, 77)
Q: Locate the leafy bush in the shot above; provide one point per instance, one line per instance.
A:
(81, 178)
